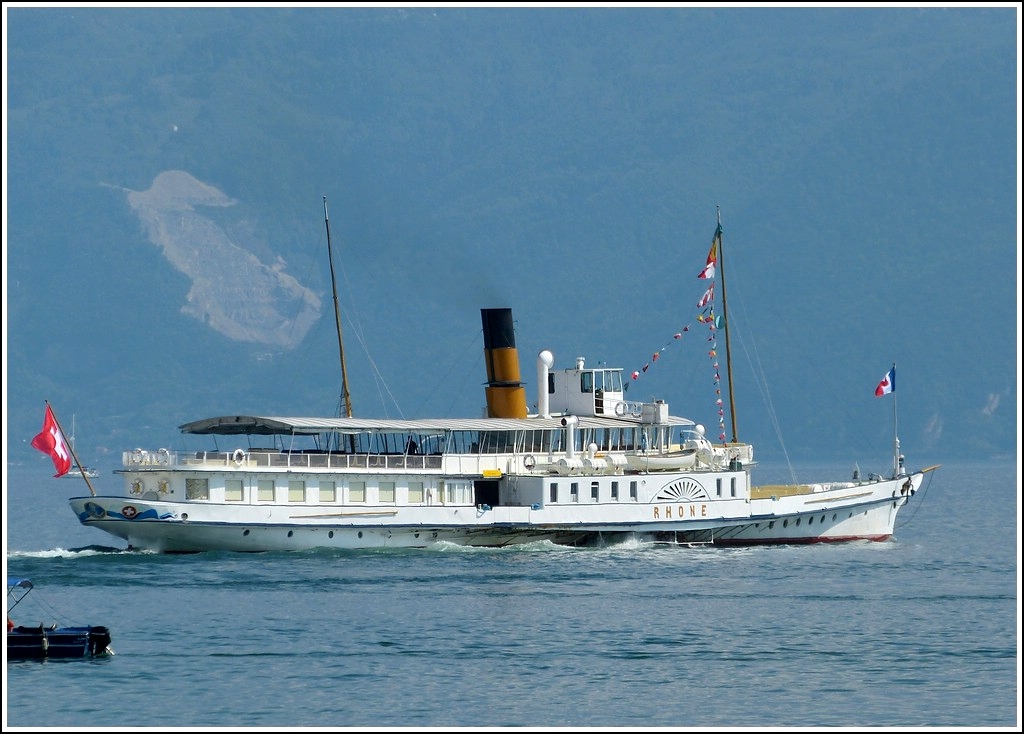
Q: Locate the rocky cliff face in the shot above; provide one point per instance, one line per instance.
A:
(233, 291)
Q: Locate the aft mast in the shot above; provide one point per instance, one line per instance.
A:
(346, 400)
(725, 318)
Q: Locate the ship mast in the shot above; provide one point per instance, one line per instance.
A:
(345, 398)
(725, 318)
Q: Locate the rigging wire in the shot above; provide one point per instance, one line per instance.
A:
(761, 383)
(925, 486)
(472, 342)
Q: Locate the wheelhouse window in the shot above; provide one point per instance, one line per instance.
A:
(197, 488)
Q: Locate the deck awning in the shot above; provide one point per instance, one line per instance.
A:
(254, 425)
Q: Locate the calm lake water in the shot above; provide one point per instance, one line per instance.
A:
(920, 631)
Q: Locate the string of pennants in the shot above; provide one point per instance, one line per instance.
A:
(709, 318)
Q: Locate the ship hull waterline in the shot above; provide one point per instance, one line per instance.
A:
(172, 527)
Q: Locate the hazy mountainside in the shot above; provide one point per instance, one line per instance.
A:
(565, 163)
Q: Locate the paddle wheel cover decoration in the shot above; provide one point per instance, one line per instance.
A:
(683, 490)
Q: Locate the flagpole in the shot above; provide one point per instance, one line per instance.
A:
(71, 449)
(895, 428)
(725, 318)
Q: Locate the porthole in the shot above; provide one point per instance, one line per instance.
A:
(360, 533)
(833, 517)
(771, 525)
(798, 522)
(330, 534)
(245, 533)
(291, 533)
(810, 521)
(785, 523)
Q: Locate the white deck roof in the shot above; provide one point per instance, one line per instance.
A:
(234, 425)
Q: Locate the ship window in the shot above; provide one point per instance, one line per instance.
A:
(615, 491)
(632, 490)
(357, 491)
(594, 489)
(732, 488)
(232, 490)
(587, 382)
(616, 381)
(296, 490)
(265, 490)
(574, 492)
(415, 492)
(197, 488)
(551, 383)
(553, 492)
(327, 492)
(718, 486)
(386, 491)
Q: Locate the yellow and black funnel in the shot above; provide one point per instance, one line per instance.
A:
(506, 396)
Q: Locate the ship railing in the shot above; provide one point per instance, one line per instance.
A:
(260, 459)
(273, 459)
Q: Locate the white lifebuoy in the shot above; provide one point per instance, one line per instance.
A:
(238, 457)
(529, 462)
(620, 409)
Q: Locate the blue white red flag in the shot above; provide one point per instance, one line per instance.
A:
(888, 383)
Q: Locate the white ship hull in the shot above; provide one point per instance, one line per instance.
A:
(852, 511)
